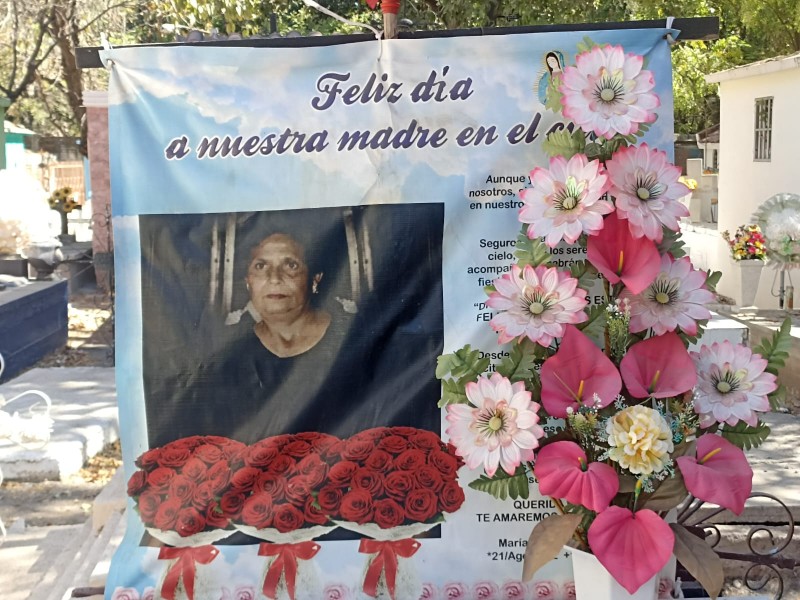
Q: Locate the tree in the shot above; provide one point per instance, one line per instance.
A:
(38, 71)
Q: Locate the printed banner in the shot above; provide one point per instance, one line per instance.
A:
(299, 234)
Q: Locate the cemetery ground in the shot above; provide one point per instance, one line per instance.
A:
(61, 504)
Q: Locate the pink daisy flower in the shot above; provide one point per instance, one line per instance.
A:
(499, 427)
(731, 384)
(608, 92)
(676, 298)
(536, 303)
(565, 201)
(647, 191)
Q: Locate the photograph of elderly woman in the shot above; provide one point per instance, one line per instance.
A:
(324, 319)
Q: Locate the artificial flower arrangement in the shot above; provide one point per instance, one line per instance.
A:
(638, 423)
(63, 202)
(747, 243)
(779, 219)
(688, 182)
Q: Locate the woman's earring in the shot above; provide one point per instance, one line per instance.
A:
(315, 283)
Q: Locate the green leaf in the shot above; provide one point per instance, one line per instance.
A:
(595, 326)
(699, 559)
(777, 399)
(669, 494)
(593, 150)
(465, 362)
(521, 364)
(546, 541)
(563, 143)
(533, 252)
(503, 485)
(585, 272)
(586, 44)
(453, 393)
(776, 349)
(744, 436)
(712, 279)
(672, 243)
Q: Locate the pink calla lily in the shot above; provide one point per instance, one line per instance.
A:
(631, 546)
(659, 367)
(578, 374)
(719, 474)
(621, 257)
(562, 471)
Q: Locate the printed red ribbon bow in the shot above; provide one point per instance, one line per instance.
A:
(285, 564)
(385, 562)
(184, 568)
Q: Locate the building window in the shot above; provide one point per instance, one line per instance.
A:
(763, 129)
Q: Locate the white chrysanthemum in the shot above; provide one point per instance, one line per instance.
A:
(640, 440)
(499, 428)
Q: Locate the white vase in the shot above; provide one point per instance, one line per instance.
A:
(748, 273)
(594, 582)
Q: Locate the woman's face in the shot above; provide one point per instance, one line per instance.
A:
(552, 62)
(278, 276)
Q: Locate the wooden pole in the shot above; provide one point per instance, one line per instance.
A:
(390, 8)
(4, 104)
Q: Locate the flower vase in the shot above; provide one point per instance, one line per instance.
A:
(749, 274)
(594, 582)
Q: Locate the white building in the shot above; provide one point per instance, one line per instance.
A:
(759, 137)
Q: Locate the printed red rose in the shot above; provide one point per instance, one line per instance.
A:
(189, 522)
(297, 490)
(451, 497)
(215, 518)
(398, 484)
(149, 460)
(259, 456)
(446, 464)
(208, 453)
(329, 500)
(429, 478)
(369, 480)
(219, 475)
(271, 483)
(313, 514)
(425, 440)
(282, 464)
(357, 450)
(244, 479)
(322, 442)
(341, 473)
(158, 479)
(403, 431)
(297, 449)
(221, 442)
(231, 504)
(173, 458)
(410, 460)
(421, 505)
(379, 460)
(148, 504)
(357, 506)
(314, 469)
(182, 488)
(393, 444)
(334, 452)
(203, 496)
(287, 518)
(370, 435)
(195, 469)
(451, 450)
(388, 513)
(137, 483)
(189, 443)
(257, 511)
(233, 450)
(167, 514)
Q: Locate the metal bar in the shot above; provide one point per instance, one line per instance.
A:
(352, 254)
(227, 281)
(695, 28)
(213, 288)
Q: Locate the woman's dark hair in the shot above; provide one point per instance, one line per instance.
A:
(547, 64)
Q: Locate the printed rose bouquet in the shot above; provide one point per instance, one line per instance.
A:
(637, 422)
(392, 477)
(178, 488)
(274, 487)
(747, 243)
